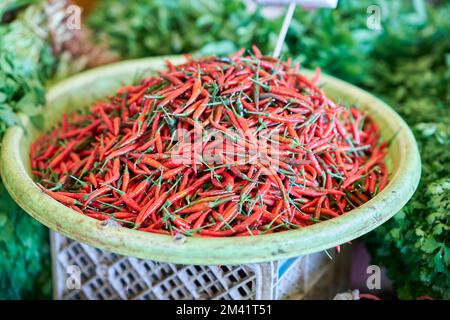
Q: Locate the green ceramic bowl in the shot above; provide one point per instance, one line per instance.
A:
(79, 91)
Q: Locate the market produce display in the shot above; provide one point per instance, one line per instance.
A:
(405, 62)
(216, 147)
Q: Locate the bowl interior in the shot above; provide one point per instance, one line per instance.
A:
(80, 91)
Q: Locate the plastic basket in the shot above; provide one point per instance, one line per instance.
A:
(83, 89)
(106, 275)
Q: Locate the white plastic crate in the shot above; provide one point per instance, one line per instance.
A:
(84, 272)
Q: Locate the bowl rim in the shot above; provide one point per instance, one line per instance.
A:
(211, 251)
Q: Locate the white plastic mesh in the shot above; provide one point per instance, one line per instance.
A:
(105, 275)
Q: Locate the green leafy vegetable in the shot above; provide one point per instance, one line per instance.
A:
(140, 28)
(24, 253)
(26, 62)
(414, 245)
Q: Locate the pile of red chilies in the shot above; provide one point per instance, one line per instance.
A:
(119, 162)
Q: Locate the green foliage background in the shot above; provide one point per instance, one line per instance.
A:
(406, 63)
(26, 62)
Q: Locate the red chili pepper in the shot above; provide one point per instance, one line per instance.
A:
(93, 180)
(133, 205)
(125, 180)
(155, 164)
(61, 198)
(115, 173)
(140, 188)
(180, 222)
(258, 211)
(159, 145)
(65, 152)
(144, 213)
(173, 172)
(196, 90)
(200, 109)
(96, 193)
(210, 233)
(185, 192)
